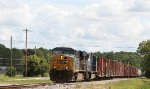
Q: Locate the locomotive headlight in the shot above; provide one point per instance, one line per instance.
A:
(66, 67)
(54, 67)
(61, 57)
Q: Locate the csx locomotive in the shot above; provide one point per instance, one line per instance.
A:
(68, 64)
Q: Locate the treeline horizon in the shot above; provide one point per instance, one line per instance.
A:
(133, 58)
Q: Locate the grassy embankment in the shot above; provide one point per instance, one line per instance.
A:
(133, 83)
(23, 80)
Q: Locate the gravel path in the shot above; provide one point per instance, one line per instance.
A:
(80, 85)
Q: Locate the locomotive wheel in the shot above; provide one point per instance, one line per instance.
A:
(89, 75)
(86, 76)
(75, 76)
(61, 76)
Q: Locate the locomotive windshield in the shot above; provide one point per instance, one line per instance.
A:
(63, 50)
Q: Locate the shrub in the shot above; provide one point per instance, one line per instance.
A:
(45, 75)
(11, 71)
(36, 66)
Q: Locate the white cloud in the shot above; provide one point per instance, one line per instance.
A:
(130, 27)
(19, 16)
(141, 6)
(52, 13)
(104, 8)
(103, 23)
(7, 33)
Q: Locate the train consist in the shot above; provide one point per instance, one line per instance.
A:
(68, 64)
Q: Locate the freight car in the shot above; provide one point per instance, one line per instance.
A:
(68, 64)
(113, 69)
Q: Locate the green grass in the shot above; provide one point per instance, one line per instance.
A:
(130, 84)
(22, 80)
(133, 83)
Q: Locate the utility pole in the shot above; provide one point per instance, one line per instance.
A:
(35, 50)
(26, 65)
(11, 53)
(11, 50)
(128, 69)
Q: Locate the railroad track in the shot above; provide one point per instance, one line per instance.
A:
(22, 86)
(69, 85)
(34, 86)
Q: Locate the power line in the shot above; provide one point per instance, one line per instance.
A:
(70, 44)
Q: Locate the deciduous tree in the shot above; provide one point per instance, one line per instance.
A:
(144, 51)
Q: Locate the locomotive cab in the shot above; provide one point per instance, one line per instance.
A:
(61, 69)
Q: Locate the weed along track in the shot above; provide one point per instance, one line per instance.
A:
(38, 86)
(103, 84)
(70, 85)
(22, 86)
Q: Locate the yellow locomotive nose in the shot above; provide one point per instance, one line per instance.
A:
(61, 68)
(61, 62)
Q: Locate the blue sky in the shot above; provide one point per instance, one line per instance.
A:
(90, 25)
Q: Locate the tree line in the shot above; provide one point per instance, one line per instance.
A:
(131, 58)
(38, 59)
